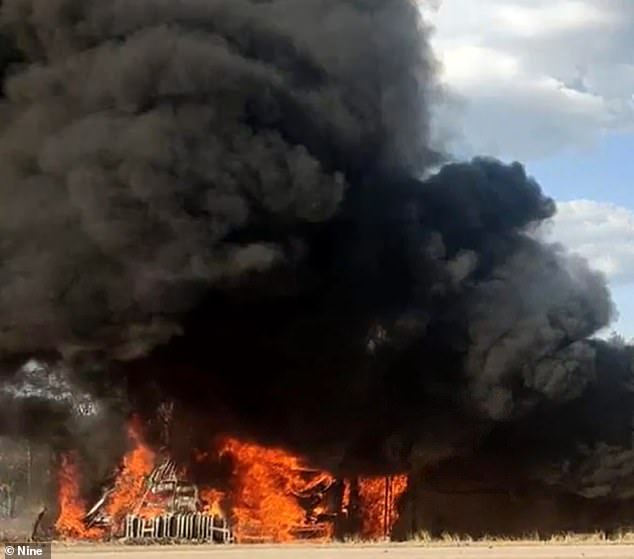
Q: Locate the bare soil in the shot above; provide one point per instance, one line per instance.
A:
(471, 551)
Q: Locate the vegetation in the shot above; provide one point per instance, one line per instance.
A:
(622, 537)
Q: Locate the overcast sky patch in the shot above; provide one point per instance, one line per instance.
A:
(535, 77)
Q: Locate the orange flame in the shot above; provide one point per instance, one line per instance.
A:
(130, 485)
(345, 500)
(379, 498)
(274, 496)
(70, 523)
(267, 483)
(212, 501)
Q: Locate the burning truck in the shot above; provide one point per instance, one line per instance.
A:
(226, 205)
(169, 509)
(269, 495)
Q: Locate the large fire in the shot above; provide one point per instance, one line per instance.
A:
(130, 485)
(70, 522)
(212, 500)
(267, 484)
(379, 498)
(126, 494)
(270, 496)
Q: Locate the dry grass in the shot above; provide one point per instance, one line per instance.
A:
(424, 538)
(447, 539)
(620, 537)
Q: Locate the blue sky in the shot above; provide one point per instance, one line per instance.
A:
(525, 83)
(603, 173)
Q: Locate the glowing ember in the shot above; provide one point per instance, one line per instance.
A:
(130, 486)
(266, 485)
(379, 499)
(70, 523)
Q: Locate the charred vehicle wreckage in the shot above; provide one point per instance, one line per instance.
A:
(170, 508)
(265, 495)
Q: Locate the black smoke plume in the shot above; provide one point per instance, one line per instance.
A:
(232, 205)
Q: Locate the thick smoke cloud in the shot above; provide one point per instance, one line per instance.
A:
(231, 204)
(148, 135)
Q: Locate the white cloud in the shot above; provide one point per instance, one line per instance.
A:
(473, 64)
(556, 17)
(601, 232)
(535, 76)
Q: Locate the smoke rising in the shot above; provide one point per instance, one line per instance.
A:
(155, 134)
(232, 204)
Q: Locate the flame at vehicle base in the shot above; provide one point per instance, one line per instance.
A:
(271, 496)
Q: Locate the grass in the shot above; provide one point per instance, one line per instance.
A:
(569, 538)
(424, 538)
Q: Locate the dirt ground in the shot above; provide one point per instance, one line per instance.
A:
(473, 551)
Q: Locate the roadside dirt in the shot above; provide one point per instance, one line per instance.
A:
(473, 551)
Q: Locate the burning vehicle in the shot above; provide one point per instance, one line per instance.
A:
(271, 496)
(239, 206)
(168, 509)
